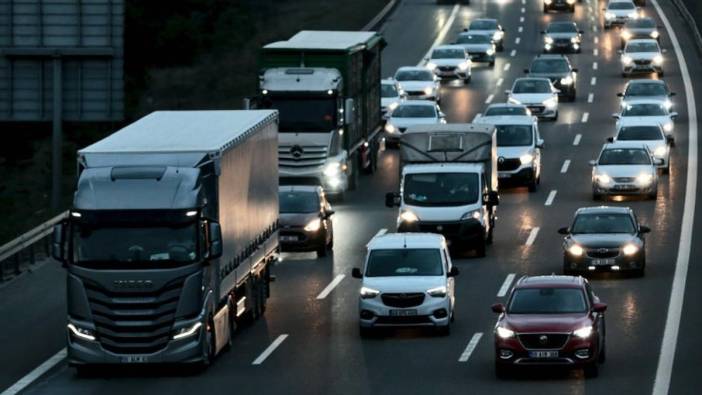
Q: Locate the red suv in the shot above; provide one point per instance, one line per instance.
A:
(550, 320)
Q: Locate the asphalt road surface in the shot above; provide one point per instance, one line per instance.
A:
(308, 341)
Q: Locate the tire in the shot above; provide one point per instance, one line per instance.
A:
(492, 63)
(545, 9)
(572, 96)
(480, 250)
(596, 196)
(602, 357)
(591, 370)
(443, 330)
(653, 195)
(502, 372)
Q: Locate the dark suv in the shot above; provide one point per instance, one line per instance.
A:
(558, 69)
(550, 320)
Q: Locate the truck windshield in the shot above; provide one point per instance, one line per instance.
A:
(304, 115)
(441, 189)
(404, 262)
(514, 135)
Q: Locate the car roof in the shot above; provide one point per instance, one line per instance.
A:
(406, 240)
(603, 209)
(413, 68)
(300, 188)
(417, 102)
(449, 46)
(624, 144)
(388, 81)
(507, 119)
(552, 281)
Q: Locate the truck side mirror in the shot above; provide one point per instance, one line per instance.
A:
(392, 199)
(349, 111)
(215, 250)
(492, 198)
(58, 242)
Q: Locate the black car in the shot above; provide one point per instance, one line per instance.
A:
(562, 37)
(562, 5)
(558, 69)
(305, 220)
(604, 239)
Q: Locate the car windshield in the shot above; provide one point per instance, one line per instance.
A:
(640, 133)
(514, 135)
(441, 189)
(595, 223)
(643, 110)
(621, 5)
(483, 25)
(641, 23)
(414, 111)
(405, 262)
(304, 114)
(532, 86)
(642, 47)
(645, 89)
(562, 28)
(549, 66)
(506, 110)
(625, 156)
(473, 39)
(388, 90)
(547, 301)
(298, 202)
(414, 75)
(448, 54)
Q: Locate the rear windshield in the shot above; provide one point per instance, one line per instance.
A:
(547, 301)
(640, 133)
(404, 262)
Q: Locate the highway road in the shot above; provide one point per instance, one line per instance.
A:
(308, 341)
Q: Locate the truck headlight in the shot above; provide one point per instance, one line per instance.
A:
(408, 216)
(576, 250)
(188, 331)
(610, 15)
(369, 293)
(603, 179)
(438, 292)
(644, 179)
(658, 60)
(332, 169)
(548, 40)
(504, 333)
(81, 333)
(567, 80)
(630, 249)
(660, 151)
(390, 128)
(313, 225)
(551, 103)
(583, 332)
(526, 159)
(627, 60)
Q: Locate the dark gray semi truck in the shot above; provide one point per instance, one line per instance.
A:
(171, 237)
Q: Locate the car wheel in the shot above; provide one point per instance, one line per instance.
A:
(492, 63)
(501, 371)
(591, 370)
(365, 332)
(480, 250)
(443, 330)
(653, 195)
(501, 48)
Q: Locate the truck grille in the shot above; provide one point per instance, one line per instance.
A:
(543, 341)
(403, 300)
(134, 323)
(296, 156)
(603, 253)
(508, 164)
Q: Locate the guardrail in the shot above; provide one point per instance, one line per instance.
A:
(28, 247)
(687, 16)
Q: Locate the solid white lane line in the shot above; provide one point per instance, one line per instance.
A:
(507, 66)
(586, 116)
(25, 381)
(577, 138)
(517, 40)
(326, 291)
(500, 81)
(268, 351)
(521, 19)
(532, 236)
(593, 81)
(594, 65)
(590, 97)
(505, 286)
(551, 197)
(470, 347)
(520, 29)
(489, 99)
(596, 52)
(566, 164)
(513, 53)
(442, 33)
(664, 370)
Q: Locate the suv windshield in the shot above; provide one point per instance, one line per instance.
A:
(441, 189)
(643, 110)
(414, 75)
(473, 39)
(298, 202)
(547, 301)
(506, 110)
(514, 135)
(404, 262)
(303, 114)
(645, 89)
(625, 156)
(641, 47)
(414, 111)
(448, 54)
(566, 27)
(549, 66)
(388, 90)
(483, 25)
(602, 223)
(532, 86)
(640, 133)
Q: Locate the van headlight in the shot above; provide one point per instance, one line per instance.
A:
(438, 292)
(551, 103)
(332, 169)
(369, 293)
(526, 159)
(313, 225)
(583, 332)
(474, 214)
(81, 333)
(408, 216)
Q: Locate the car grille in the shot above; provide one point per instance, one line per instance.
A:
(444, 229)
(642, 62)
(134, 323)
(447, 68)
(415, 93)
(403, 300)
(508, 164)
(410, 320)
(299, 235)
(534, 341)
(536, 109)
(624, 180)
(562, 41)
(296, 156)
(603, 253)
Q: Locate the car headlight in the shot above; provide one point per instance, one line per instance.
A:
(332, 169)
(490, 51)
(431, 65)
(668, 104)
(603, 179)
(408, 216)
(438, 292)
(668, 127)
(428, 90)
(567, 80)
(660, 151)
(574, 40)
(630, 249)
(644, 179)
(526, 159)
(576, 250)
(188, 331)
(504, 333)
(583, 332)
(497, 36)
(390, 128)
(369, 293)
(513, 100)
(610, 15)
(626, 35)
(655, 34)
(464, 66)
(571, 2)
(627, 60)
(313, 225)
(633, 15)
(475, 214)
(81, 333)
(392, 106)
(658, 60)
(548, 40)
(551, 103)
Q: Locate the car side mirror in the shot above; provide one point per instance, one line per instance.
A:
(329, 213)
(58, 242)
(349, 111)
(620, 94)
(610, 139)
(599, 307)
(453, 272)
(392, 199)
(673, 115)
(356, 273)
(575, 70)
(526, 71)
(215, 250)
(672, 94)
(498, 308)
(564, 231)
(658, 161)
(644, 229)
(540, 143)
(593, 163)
(616, 116)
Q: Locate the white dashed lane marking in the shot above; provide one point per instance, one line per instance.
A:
(576, 140)
(564, 168)
(532, 236)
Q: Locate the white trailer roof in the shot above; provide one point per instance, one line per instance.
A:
(329, 40)
(182, 131)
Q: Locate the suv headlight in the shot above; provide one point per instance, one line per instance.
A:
(627, 60)
(567, 80)
(313, 225)
(369, 293)
(630, 249)
(408, 216)
(475, 214)
(526, 159)
(583, 332)
(504, 333)
(658, 60)
(188, 331)
(438, 292)
(576, 250)
(464, 66)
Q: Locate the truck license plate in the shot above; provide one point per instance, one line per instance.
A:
(403, 313)
(543, 354)
(135, 359)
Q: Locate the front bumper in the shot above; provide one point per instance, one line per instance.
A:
(542, 111)
(451, 72)
(616, 21)
(512, 352)
(623, 188)
(611, 261)
(641, 67)
(299, 240)
(431, 312)
(332, 185)
(559, 46)
(524, 174)
(482, 57)
(469, 231)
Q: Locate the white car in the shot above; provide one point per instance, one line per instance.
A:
(651, 135)
(642, 56)
(647, 89)
(410, 113)
(625, 168)
(618, 12)
(407, 280)
(390, 96)
(418, 83)
(650, 111)
(537, 94)
(491, 28)
(480, 47)
(450, 61)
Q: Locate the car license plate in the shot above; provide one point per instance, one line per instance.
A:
(603, 262)
(288, 238)
(543, 354)
(135, 359)
(624, 187)
(403, 313)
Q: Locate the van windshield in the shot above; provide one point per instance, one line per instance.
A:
(404, 262)
(441, 189)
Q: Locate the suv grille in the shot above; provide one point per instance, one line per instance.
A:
(403, 300)
(552, 341)
(134, 323)
(509, 164)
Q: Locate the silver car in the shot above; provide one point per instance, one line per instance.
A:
(624, 168)
(410, 113)
(537, 94)
(647, 89)
(651, 111)
(562, 36)
(638, 29)
(418, 83)
(642, 56)
(649, 134)
(491, 28)
(391, 95)
(480, 47)
(618, 12)
(450, 61)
